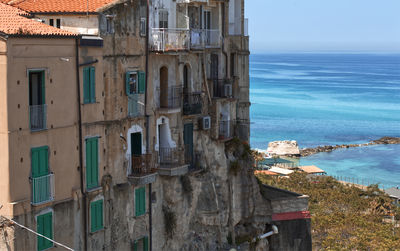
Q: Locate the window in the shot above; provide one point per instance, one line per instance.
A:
(51, 22)
(143, 26)
(135, 82)
(58, 22)
(96, 216)
(141, 244)
(92, 163)
(44, 225)
(37, 102)
(41, 180)
(110, 25)
(89, 89)
(140, 201)
(163, 19)
(233, 65)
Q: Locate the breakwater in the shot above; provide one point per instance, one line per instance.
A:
(382, 141)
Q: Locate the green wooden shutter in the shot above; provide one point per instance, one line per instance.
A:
(92, 162)
(86, 85)
(145, 243)
(127, 86)
(142, 82)
(100, 214)
(92, 85)
(96, 215)
(45, 227)
(40, 161)
(140, 201)
(93, 217)
(135, 245)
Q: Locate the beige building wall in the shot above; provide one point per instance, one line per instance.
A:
(82, 24)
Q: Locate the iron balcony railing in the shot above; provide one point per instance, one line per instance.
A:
(140, 165)
(170, 156)
(242, 129)
(163, 39)
(135, 106)
(37, 117)
(170, 97)
(225, 129)
(222, 88)
(204, 38)
(42, 189)
(192, 103)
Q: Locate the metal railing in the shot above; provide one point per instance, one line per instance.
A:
(140, 164)
(170, 98)
(135, 107)
(225, 129)
(168, 155)
(202, 38)
(163, 39)
(191, 1)
(37, 117)
(222, 88)
(242, 129)
(42, 189)
(192, 103)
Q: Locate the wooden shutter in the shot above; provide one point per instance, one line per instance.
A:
(135, 245)
(40, 161)
(45, 227)
(140, 201)
(96, 215)
(142, 82)
(93, 217)
(92, 165)
(86, 85)
(92, 85)
(145, 243)
(127, 86)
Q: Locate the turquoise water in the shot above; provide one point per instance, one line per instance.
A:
(330, 99)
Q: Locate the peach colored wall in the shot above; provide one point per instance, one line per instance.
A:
(57, 58)
(4, 155)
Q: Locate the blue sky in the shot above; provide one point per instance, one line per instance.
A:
(324, 25)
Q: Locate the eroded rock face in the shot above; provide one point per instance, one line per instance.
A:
(222, 204)
(285, 147)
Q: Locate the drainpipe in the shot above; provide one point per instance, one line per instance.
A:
(223, 40)
(78, 90)
(274, 231)
(148, 117)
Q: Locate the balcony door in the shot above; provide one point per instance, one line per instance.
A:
(136, 144)
(36, 88)
(207, 26)
(164, 87)
(163, 19)
(188, 140)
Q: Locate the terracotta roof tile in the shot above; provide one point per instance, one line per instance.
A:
(59, 6)
(12, 23)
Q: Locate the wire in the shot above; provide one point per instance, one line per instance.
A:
(30, 230)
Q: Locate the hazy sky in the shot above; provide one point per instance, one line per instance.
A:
(324, 25)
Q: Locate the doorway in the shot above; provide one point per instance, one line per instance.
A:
(164, 87)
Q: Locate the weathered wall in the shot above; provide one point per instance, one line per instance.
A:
(294, 235)
(82, 24)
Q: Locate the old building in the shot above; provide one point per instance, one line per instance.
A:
(139, 128)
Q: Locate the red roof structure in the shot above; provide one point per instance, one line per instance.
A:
(58, 6)
(13, 22)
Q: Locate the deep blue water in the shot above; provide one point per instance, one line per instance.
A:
(328, 99)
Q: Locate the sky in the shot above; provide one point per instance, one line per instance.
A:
(323, 25)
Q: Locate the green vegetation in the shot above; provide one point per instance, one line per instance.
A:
(344, 217)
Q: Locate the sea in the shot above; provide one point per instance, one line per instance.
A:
(330, 99)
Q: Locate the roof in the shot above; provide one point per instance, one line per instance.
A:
(280, 170)
(266, 172)
(13, 23)
(311, 169)
(393, 192)
(59, 6)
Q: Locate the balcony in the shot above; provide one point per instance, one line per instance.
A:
(141, 169)
(242, 129)
(170, 98)
(42, 189)
(136, 108)
(191, 1)
(165, 40)
(192, 103)
(225, 130)
(200, 39)
(37, 117)
(172, 162)
(222, 88)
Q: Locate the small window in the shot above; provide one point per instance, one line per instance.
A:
(44, 226)
(163, 19)
(141, 244)
(110, 25)
(89, 85)
(143, 26)
(96, 216)
(51, 22)
(58, 22)
(135, 82)
(140, 201)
